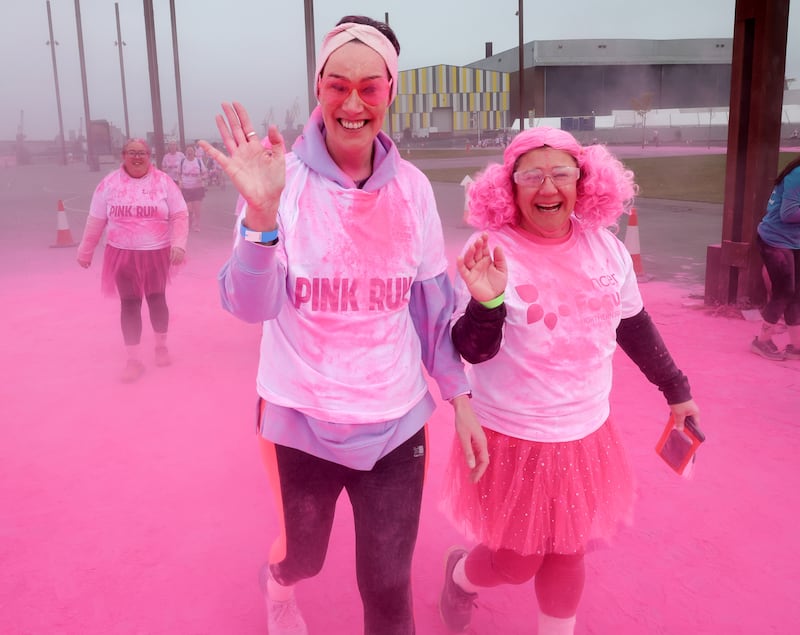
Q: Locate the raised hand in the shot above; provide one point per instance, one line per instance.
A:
(484, 273)
(258, 173)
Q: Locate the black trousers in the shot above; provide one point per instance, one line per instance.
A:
(783, 267)
(386, 505)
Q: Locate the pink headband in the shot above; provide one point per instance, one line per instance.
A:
(377, 41)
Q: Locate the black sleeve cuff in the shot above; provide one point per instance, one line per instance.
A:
(478, 333)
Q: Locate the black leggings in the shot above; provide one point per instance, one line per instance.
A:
(783, 267)
(131, 316)
(386, 505)
(131, 285)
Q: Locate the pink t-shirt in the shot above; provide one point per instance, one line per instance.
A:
(138, 211)
(351, 257)
(551, 379)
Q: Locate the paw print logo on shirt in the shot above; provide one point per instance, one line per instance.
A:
(536, 312)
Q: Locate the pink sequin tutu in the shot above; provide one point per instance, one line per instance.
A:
(538, 498)
(135, 272)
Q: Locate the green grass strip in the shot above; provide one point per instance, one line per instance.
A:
(697, 177)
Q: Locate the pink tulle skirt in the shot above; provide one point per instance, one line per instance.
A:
(134, 273)
(538, 498)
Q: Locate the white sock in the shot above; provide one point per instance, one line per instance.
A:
(549, 625)
(794, 335)
(161, 339)
(461, 579)
(767, 330)
(134, 351)
(278, 592)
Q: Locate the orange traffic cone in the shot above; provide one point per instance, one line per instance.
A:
(63, 234)
(632, 244)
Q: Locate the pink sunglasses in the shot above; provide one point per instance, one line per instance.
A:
(372, 91)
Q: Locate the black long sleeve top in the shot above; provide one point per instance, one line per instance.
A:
(478, 334)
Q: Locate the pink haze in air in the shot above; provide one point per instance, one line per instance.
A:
(143, 508)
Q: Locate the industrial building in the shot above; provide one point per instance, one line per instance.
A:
(575, 81)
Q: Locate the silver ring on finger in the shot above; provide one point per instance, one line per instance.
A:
(250, 134)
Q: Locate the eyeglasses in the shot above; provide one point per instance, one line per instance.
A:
(560, 176)
(372, 91)
(137, 153)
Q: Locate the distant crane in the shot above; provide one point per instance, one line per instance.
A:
(268, 120)
(292, 114)
(290, 132)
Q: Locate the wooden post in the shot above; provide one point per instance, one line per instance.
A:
(733, 268)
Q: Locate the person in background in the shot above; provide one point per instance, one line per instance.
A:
(199, 152)
(545, 295)
(192, 178)
(340, 254)
(656, 138)
(779, 244)
(172, 159)
(147, 232)
(215, 174)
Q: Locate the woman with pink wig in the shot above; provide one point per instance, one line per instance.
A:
(340, 255)
(545, 294)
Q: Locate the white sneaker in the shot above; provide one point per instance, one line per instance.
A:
(283, 618)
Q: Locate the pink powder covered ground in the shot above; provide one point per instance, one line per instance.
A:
(143, 509)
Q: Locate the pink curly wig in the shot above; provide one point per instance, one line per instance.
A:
(605, 188)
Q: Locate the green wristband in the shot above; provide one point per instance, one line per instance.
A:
(493, 304)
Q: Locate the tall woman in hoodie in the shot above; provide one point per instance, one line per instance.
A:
(340, 255)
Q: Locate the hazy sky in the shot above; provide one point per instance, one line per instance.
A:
(254, 50)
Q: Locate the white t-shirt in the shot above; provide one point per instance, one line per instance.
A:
(343, 347)
(171, 164)
(137, 210)
(551, 378)
(192, 172)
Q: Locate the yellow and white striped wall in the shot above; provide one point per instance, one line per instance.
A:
(446, 98)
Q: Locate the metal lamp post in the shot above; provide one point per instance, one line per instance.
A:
(52, 44)
(155, 86)
(91, 157)
(178, 90)
(521, 70)
(120, 44)
(308, 6)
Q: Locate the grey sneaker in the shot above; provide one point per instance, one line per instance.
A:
(791, 352)
(455, 604)
(767, 349)
(283, 618)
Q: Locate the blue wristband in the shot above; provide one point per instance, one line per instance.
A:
(257, 237)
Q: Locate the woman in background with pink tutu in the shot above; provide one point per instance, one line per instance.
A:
(147, 232)
(545, 294)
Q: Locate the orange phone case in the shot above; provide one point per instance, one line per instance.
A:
(678, 447)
